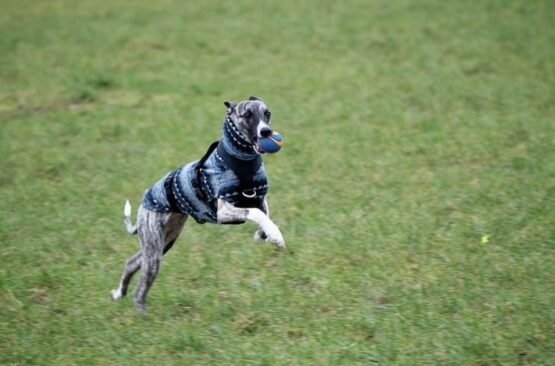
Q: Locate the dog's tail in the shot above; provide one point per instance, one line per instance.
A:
(131, 229)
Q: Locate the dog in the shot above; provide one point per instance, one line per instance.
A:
(227, 186)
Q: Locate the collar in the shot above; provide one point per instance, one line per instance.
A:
(238, 154)
(236, 143)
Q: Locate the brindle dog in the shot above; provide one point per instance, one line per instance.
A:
(158, 229)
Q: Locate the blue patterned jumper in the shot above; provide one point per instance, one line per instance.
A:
(217, 180)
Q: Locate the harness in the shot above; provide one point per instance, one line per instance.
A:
(244, 169)
(231, 153)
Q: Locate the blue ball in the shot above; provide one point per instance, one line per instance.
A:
(271, 144)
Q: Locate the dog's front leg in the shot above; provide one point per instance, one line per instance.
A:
(227, 213)
(259, 234)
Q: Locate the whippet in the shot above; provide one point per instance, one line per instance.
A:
(227, 186)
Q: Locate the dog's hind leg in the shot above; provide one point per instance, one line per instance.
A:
(173, 229)
(131, 267)
(150, 265)
(133, 264)
(152, 233)
(149, 270)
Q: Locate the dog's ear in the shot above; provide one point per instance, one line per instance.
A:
(230, 106)
(252, 97)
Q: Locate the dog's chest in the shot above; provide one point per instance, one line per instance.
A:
(216, 181)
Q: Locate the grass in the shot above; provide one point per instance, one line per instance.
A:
(416, 189)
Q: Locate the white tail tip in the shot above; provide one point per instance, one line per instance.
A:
(127, 209)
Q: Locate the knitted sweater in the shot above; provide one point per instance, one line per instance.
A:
(176, 192)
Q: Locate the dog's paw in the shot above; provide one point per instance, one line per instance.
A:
(116, 294)
(273, 235)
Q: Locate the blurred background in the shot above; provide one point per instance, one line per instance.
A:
(415, 189)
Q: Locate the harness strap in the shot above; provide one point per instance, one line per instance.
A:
(238, 139)
(168, 182)
(244, 169)
(197, 179)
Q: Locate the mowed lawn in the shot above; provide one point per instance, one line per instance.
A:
(415, 189)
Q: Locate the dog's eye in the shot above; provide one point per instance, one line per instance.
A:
(268, 114)
(247, 114)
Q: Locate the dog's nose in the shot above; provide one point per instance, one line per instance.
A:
(266, 132)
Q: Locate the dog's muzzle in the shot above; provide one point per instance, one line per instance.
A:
(264, 131)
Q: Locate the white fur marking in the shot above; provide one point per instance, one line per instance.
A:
(116, 294)
(127, 209)
(261, 125)
(270, 229)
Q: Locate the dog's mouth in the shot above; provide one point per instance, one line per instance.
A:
(256, 146)
(262, 133)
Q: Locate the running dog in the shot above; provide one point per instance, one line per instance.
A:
(227, 186)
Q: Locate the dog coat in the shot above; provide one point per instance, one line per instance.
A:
(231, 169)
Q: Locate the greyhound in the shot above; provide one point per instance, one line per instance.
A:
(227, 186)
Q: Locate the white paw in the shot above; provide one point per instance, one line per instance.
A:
(116, 294)
(274, 236)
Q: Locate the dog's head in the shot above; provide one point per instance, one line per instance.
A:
(252, 118)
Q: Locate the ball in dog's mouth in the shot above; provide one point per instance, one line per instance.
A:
(271, 144)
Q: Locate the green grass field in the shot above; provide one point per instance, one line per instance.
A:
(416, 188)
